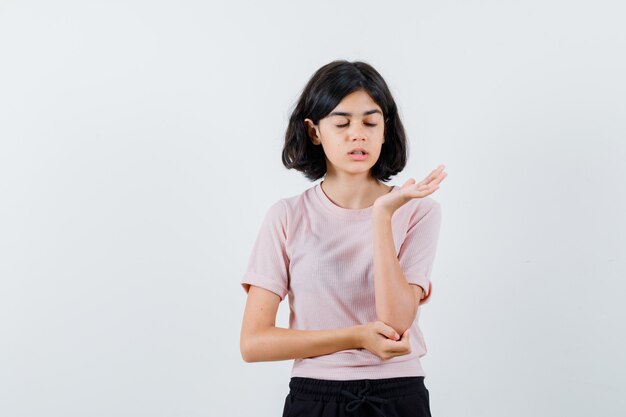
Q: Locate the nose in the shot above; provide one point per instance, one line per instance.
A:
(358, 133)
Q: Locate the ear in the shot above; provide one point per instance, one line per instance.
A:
(312, 130)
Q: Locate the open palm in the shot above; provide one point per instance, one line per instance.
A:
(390, 202)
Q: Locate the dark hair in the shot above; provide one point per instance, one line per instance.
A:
(326, 88)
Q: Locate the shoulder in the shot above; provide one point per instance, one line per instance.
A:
(296, 204)
(420, 213)
(431, 205)
(285, 209)
(420, 207)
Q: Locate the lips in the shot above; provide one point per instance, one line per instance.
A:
(357, 156)
(358, 151)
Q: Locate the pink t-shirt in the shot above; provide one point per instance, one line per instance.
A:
(321, 254)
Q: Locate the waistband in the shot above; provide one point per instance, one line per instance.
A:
(323, 389)
(374, 392)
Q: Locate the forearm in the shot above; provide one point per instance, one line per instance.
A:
(277, 343)
(395, 300)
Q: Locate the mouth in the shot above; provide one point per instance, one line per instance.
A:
(357, 156)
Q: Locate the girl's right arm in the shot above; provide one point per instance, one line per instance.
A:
(262, 341)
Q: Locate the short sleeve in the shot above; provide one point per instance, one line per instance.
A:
(417, 252)
(268, 265)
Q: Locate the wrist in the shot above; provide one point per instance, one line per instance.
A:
(356, 336)
(381, 213)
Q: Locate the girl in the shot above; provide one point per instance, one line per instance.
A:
(354, 255)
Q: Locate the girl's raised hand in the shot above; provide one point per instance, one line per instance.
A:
(390, 202)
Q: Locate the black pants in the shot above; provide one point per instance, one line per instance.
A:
(389, 397)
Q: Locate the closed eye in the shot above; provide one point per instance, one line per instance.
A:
(366, 124)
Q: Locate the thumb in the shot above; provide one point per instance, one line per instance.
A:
(405, 335)
(391, 333)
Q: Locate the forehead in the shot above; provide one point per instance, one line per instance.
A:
(348, 114)
(356, 103)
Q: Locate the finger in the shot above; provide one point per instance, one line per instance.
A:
(399, 349)
(438, 178)
(433, 174)
(441, 177)
(408, 182)
(405, 336)
(388, 332)
(404, 340)
(435, 171)
(423, 190)
(396, 347)
(434, 182)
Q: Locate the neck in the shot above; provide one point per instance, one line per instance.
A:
(353, 192)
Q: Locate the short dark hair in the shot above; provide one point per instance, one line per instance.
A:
(323, 92)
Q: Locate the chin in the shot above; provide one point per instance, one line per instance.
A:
(359, 170)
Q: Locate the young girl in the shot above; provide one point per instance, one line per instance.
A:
(354, 254)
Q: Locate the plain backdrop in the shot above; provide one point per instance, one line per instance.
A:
(140, 149)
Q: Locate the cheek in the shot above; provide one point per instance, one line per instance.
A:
(336, 145)
(376, 154)
(333, 149)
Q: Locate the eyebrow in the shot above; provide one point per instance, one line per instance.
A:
(343, 113)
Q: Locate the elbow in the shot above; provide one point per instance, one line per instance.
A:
(246, 358)
(252, 345)
(246, 349)
(402, 328)
(401, 314)
(399, 323)
(243, 350)
(245, 355)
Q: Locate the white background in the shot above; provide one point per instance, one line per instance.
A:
(140, 148)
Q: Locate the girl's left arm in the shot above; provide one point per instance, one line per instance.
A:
(396, 300)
